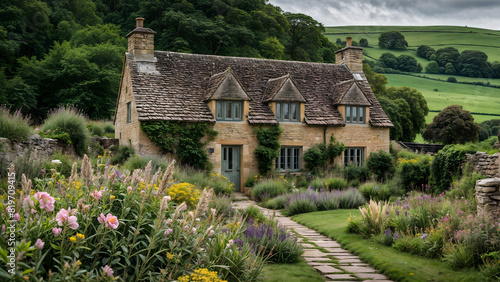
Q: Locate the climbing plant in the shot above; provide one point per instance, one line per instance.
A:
(318, 155)
(184, 140)
(269, 147)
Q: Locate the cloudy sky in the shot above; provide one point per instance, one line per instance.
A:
(472, 13)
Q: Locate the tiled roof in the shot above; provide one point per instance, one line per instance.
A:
(225, 86)
(282, 89)
(182, 82)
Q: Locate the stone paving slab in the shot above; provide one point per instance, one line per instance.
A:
(327, 244)
(317, 259)
(374, 276)
(308, 246)
(326, 269)
(314, 253)
(358, 269)
(340, 276)
(349, 261)
(336, 250)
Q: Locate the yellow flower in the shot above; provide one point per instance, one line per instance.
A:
(170, 256)
(72, 239)
(112, 197)
(80, 236)
(412, 273)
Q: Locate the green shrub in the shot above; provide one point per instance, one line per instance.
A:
(354, 183)
(381, 164)
(251, 180)
(459, 255)
(254, 213)
(318, 184)
(95, 129)
(299, 206)
(269, 189)
(71, 121)
(317, 156)
(14, 126)
(465, 187)
(415, 173)
(336, 183)
(301, 181)
(268, 149)
(64, 167)
(29, 165)
(446, 165)
(203, 179)
(223, 206)
(351, 199)
(140, 162)
(452, 79)
(277, 203)
(120, 154)
(108, 128)
(353, 171)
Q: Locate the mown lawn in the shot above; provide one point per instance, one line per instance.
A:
(290, 272)
(398, 266)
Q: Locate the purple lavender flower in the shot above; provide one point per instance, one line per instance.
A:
(424, 236)
(388, 232)
(396, 236)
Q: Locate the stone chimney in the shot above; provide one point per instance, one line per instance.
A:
(141, 44)
(352, 56)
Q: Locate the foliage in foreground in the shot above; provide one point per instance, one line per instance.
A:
(13, 125)
(106, 223)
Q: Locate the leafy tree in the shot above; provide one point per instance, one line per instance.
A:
(363, 42)
(16, 94)
(381, 164)
(495, 69)
(303, 38)
(492, 127)
(272, 48)
(388, 60)
(473, 63)
(449, 69)
(432, 67)
(408, 63)
(451, 126)
(423, 51)
(418, 109)
(452, 79)
(377, 81)
(446, 55)
(399, 113)
(392, 40)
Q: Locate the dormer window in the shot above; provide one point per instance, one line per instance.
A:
(355, 114)
(228, 110)
(288, 111)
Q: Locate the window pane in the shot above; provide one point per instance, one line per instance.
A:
(229, 110)
(288, 158)
(347, 114)
(237, 111)
(129, 112)
(218, 109)
(361, 115)
(230, 158)
(225, 154)
(283, 158)
(354, 114)
(296, 158)
(294, 111)
(286, 111)
(278, 111)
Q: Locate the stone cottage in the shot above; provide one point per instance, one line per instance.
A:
(310, 101)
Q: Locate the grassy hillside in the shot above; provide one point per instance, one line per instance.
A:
(473, 98)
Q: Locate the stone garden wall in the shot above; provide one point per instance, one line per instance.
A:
(487, 165)
(488, 196)
(41, 147)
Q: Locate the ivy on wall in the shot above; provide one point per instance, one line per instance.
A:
(269, 147)
(184, 140)
(318, 155)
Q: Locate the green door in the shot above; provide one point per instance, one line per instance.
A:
(231, 159)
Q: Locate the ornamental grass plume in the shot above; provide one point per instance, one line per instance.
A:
(147, 172)
(74, 172)
(375, 215)
(156, 176)
(167, 177)
(87, 170)
(206, 197)
(182, 207)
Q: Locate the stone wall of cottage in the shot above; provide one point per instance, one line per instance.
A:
(488, 196)
(487, 165)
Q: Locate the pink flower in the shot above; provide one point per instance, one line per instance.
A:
(168, 221)
(108, 270)
(211, 233)
(45, 200)
(17, 217)
(129, 189)
(63, 217)
(96, 195)
(186, 228)
(110, 221)
(3, 228)
(168, 231)
(56, 231)
(39, 244)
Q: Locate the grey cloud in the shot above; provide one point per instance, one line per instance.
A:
(481, 13)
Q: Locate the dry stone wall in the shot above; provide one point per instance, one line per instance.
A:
(488, 196)
(487, 165)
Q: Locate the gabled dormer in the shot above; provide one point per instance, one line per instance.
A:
(352, 103)
(226, 98)
(285, 99)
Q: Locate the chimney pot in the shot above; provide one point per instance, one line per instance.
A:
(348, 41)
(139, 22)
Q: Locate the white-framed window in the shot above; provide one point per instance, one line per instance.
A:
(355, 156)
(129, 112)
(289, 159)
(355, 114)
(286, 111)
(228, 110)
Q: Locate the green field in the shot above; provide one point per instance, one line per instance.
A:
(439, 94)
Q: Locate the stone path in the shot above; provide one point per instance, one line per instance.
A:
(321, 252)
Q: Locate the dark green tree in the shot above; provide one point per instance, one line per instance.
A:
(392, 40)
(424, 50)
(449, 69)
(446, 55)
(453, 125)
(473, 63)
(408, 63)
(377, 81)
(388, 60)
(417, 107)
(432, 67)
(363, 42)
